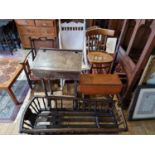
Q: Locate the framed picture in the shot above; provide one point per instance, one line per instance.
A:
(148, 76)
(143, 103)
(111, 45)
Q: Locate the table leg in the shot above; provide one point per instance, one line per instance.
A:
(12, 95)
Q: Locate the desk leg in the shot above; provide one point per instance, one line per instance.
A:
(12, 95)
(49, 84)
(75, 88)
(75, 105)
(46, 93)
(44, 86)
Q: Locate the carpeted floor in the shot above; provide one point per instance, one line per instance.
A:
(16, 54)
(8, 110)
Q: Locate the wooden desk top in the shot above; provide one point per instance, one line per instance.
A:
(9, 71)
(99, 57)
(57, 64)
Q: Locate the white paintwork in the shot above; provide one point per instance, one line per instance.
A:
(72, 36)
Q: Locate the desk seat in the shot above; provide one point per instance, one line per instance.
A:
(100, 84)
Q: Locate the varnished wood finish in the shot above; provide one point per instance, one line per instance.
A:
(97, 37)
(36, 28)
(27, 22)
(100, 31)
(15, 69)
(105, 84)
(45, 23)
(100, 61)
(99, 57)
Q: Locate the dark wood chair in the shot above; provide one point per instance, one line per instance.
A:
(96, 39)
(135, 45)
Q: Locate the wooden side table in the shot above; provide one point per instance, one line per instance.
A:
(9, 71)
(100, 61)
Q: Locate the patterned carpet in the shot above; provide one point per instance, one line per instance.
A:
(8, 110)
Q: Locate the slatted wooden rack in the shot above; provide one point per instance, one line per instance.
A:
(69, 115)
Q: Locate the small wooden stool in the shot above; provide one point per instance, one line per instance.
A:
(100, 84)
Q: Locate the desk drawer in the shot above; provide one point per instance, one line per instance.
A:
(47, 31)
(30, 30)
(26, 22)
(27, 30)
(45, 23)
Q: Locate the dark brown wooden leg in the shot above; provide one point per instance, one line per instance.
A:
(75, 88)
(27, 71)
(44, 86)
(75, 94)
(46, 92)
(50, 89)
(28, 79)
(12, 95)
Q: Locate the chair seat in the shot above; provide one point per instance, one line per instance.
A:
(100, 84)
(100, 61)
(99, 57)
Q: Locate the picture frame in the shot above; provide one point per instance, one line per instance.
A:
(143, 103)
(148, 75)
